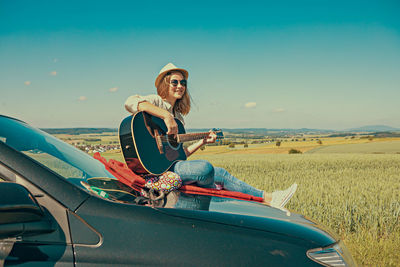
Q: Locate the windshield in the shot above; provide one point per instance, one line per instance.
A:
(78, 167)
(56, 155)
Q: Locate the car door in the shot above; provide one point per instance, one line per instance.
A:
(50, 249)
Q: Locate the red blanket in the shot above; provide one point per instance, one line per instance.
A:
(131, 179)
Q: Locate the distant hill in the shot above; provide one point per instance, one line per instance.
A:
(245, 131)
(260, 132)
(267, 132)
(76, 131)
(374, 128)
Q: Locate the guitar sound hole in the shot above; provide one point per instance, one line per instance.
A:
(172, 141)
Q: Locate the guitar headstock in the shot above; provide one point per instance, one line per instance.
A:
(219, 133)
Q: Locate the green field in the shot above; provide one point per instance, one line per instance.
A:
(386, 147)
(355, 195)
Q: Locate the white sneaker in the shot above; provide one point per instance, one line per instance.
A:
(281, 198)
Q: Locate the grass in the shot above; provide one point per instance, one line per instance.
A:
(303, 146)
(357, 196)
(387, 147)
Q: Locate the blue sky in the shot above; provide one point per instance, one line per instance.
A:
(315, 64)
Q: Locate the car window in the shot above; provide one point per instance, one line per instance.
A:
(60, 157)
(52, 206)
(76, 166)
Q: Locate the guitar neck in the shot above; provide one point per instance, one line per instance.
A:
(191, 137)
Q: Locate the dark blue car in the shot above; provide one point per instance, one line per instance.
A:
(61, 207)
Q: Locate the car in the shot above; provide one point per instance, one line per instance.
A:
(61, 207)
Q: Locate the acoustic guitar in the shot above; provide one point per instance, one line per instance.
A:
(146, 146)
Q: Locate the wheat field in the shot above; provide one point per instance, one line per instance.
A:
(355, 195)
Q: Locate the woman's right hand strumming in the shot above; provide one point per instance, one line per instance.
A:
(162, 114)
(171, 125)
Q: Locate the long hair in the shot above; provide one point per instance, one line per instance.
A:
(181, 105)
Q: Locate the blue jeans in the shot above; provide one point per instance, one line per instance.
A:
(206, 175)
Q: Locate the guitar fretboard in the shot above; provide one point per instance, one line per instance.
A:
(191, 136)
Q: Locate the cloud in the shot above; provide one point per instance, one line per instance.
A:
(27, 83)
(53, 73)
(82, 98)
(250, 105)
(113, 89)
(278, 110)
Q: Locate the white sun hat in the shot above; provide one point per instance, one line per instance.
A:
(168, 68)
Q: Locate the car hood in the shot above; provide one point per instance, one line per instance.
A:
(250, 215)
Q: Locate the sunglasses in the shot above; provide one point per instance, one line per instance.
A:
(176, 82)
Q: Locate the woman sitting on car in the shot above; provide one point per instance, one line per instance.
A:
(173, 101)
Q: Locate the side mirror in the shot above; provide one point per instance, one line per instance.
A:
(20, 214)
(17, 205)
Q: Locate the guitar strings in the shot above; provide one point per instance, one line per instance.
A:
(167, 139)
(188, 135)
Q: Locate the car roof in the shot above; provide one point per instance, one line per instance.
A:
(8, 117)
